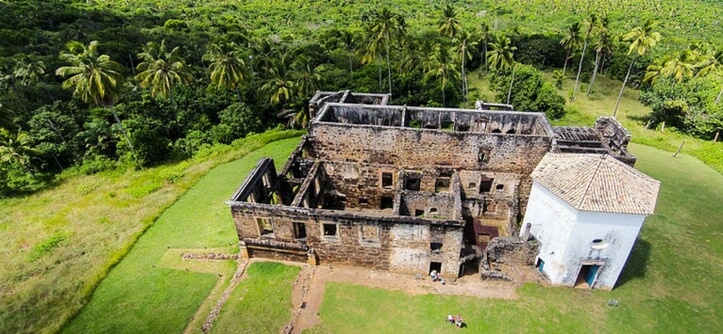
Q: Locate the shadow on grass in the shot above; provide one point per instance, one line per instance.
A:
(637, 263)
(642, 120)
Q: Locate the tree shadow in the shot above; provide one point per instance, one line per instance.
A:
(637, 263)
(640, 119)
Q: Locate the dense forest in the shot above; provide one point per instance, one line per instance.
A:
(87, 86)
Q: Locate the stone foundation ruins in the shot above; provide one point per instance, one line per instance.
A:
(404, 189)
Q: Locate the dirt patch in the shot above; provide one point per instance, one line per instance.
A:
(309, 288)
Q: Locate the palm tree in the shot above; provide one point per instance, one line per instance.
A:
(448, 24)
(161, 70)
(642, 39)
(653, 71)
(712, 63)
(306, 77)
(439, 65)
(227, 68)
(279, 86)
(501, 57)
(305, 80)
(17, 148)
(29, 71)
(485, 35)
(349, 40)
(462, 44)
(571, 42)
(591, 23)
(679, 67)
(389, 27)
(603, 47)
(371, 53)
(96, 78)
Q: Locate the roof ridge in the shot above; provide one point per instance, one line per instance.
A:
(590, 182)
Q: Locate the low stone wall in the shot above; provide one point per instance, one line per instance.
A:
(512, 250)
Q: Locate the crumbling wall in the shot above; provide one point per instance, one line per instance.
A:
(616, 138)
(423, 149)
(361, 184)
(394, 243)
(512, 250)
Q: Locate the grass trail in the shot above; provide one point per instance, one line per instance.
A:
(140, 297)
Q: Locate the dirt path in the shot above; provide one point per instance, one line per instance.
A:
(309, 289)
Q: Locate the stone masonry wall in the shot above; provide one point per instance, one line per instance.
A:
(422, 149)
(371, 242)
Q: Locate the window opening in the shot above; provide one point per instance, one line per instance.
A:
(441, 185)
(418, 213)
(436, 247)
(387, 202)
(299, 230)
(486, 184)
(412, 182)
(483, 155)
(500, 187)
(265, 226)
(329, 230)
(387, 180)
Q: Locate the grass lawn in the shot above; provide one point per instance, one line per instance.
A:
(58, 244)
(672, 283)
(140, 295)
(261, 303)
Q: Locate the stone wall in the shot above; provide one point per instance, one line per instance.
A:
(512, 250)
(400, 244)
(409, 148)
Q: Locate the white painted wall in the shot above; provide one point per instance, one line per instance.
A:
(618, 232)
(552, 222)
(566, 237)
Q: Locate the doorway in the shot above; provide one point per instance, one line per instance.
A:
(435, 266)
(586, 277)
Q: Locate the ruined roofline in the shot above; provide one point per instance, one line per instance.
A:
(492, 115)
(320, 95)
(438, 109)
(335, 215)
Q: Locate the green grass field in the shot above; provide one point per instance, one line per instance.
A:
(138, 296)
(59, 244)
(261, 303)
(672, 282)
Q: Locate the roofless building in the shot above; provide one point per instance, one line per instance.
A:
(404, 189)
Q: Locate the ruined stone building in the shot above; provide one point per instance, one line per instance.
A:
(405, 189)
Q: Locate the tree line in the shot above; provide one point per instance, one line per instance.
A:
(94, 90)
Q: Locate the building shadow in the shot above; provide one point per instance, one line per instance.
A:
(637, 263)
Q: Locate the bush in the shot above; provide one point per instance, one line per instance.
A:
(236, 121)
(529, 92)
